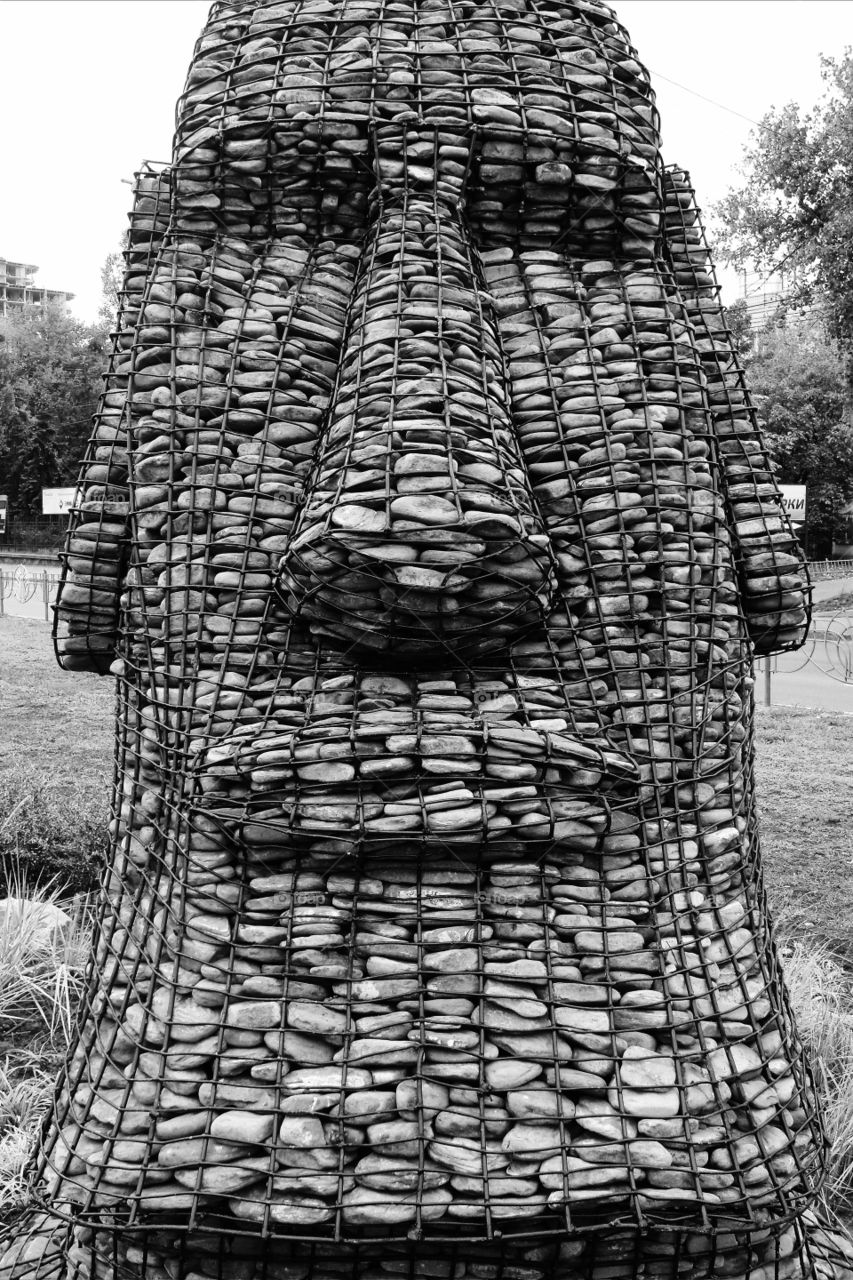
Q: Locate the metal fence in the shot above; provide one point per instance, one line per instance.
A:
(828, 648)
(822, 570)
(27, 590)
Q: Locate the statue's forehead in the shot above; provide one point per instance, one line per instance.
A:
(582, 14)
(528, 67)
(465, 31)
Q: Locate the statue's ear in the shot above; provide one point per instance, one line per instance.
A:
(86, 613)
(96, 552)
(772, 573)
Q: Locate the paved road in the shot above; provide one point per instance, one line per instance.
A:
(831, 587)
(809, 687)
(815, 675)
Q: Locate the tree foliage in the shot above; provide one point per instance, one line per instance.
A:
(740, 326)
(797, 381)
(794, 211)
(112, 279)
(50, 379)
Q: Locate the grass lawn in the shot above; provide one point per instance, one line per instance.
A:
(804, 767)
(840, 603)
(55, 760)
(59, 722)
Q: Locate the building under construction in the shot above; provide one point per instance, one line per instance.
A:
(18, 288)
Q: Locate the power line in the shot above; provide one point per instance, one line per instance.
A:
(712, 101)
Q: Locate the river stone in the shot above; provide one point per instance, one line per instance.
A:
(315, 1079)
(598, 1116)
(359, 519)
(505, 1073)
(254, 1205)
(640, 1069)
(535, 1103)
(224, 1179)
(242, 1126)
(538, 1139)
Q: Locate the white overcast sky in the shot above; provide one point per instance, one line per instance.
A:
(88, 91)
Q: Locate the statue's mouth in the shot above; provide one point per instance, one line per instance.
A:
(389, 776)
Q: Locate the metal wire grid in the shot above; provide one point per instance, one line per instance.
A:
(644, 651)
(61, 1252)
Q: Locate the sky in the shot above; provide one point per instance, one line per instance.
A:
(89, 87)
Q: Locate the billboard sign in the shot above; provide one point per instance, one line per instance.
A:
(58, 502)
(794, 502)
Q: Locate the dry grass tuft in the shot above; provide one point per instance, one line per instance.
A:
(44, 945)
(821, 992)
(43, 949)
(25, 1093)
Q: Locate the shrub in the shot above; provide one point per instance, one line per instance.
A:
(50, 833)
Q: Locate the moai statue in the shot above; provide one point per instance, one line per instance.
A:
(428, 533)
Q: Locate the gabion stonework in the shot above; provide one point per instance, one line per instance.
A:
(428, 532)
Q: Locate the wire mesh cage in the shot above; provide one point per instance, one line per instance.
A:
(807, 1250)
(427, 529)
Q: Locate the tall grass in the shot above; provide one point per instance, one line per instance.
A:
(43, 948)
(44, 945)
(25, 1093)
(821, 990)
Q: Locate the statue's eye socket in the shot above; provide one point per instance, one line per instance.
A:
(303, 170)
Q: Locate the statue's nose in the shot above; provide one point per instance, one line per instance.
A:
(422, 163)
(419, 532)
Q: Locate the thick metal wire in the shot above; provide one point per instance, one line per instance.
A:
(428, 532)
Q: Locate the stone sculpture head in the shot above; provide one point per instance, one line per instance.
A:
(429, 520)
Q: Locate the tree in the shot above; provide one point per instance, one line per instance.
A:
(797, 381)
(112, 279)
(740, 325)
(50, 379)
(794, 212)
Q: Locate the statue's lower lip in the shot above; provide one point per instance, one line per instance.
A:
(364, 784)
